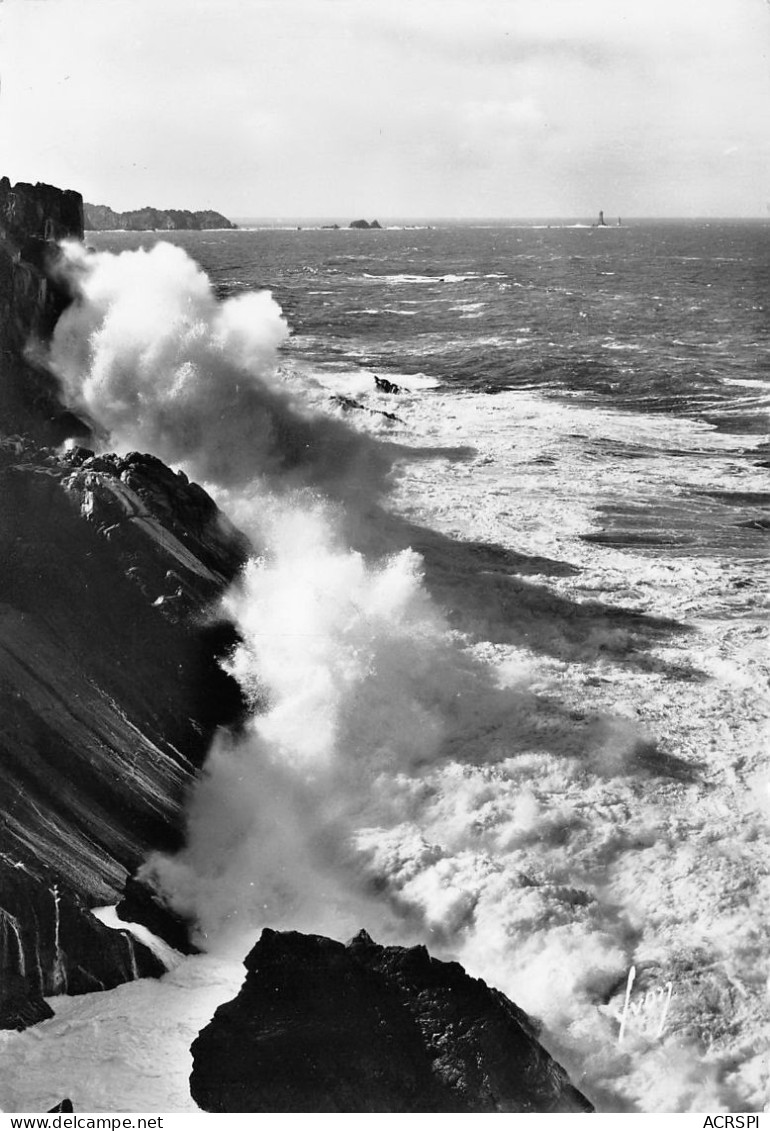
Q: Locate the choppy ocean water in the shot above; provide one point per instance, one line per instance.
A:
(661, 316)
(579, 784)
(664, 318)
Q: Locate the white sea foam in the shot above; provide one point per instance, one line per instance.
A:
(406, 278)
(490, 758)
(747, 382)
(167, 955)
(469, 309)
(386, 310)
(123, 1050)
(149, 356)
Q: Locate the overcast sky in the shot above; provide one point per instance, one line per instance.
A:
(418, 108)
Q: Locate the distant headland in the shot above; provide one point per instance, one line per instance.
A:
(101, 218)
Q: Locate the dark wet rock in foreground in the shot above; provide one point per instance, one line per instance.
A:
(110, 690)
(63, 1105)
(320, 1026)
(142, 903)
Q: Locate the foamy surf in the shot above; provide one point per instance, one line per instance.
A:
(524, 748)
(167, 955)
(122, 1050)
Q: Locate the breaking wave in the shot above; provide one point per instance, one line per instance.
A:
(391, 775)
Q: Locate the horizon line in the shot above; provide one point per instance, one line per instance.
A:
(411, 218)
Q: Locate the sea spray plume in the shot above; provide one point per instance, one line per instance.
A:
(357, 686)
(382, 779)
(371, 681)
(155, 362)
(375, 783)
(365, 787)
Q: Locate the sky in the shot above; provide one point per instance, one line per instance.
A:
(392, 108)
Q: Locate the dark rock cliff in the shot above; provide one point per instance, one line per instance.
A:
(32, 219)
(319, 1026)
(101, 218)
(109, 693)
(110, 687)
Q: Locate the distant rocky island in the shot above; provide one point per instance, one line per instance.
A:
(101, 218)
(365, 224)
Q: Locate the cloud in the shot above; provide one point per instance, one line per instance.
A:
(301, 108)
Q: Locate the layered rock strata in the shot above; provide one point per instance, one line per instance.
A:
(109, 691)
(110, 686)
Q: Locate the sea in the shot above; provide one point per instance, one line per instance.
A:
(506, 637)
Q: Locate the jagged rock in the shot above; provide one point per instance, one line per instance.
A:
(32, 219)
(141, 904)
(319, 1026)
(169, 533)
(63, 1105)
(101, 218)
(108, 694)
(50, 944)
(347, 404)
(19, 1008)
(365, 225)
(33, 215)
(385, 386)
(110, 686)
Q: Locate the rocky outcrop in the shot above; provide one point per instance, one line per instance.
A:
(63, 1105)
(110, 686)
(109, 693)
(320, 1026)
(100, 218)
(141, 903)
(33, 216)
(364, 225)
(169, 535)
(384, 386)
(51, 944)
(348, 404)
(32, 219)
